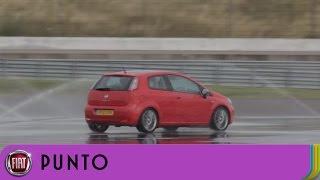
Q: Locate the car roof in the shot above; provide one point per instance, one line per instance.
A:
(142, 72)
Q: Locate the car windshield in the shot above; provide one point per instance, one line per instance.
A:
(113, 83)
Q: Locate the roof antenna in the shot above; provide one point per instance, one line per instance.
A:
(124, 70)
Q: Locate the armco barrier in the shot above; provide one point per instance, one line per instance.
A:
(299, 74)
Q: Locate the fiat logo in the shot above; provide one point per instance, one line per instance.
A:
(106, 97)
(18, 163)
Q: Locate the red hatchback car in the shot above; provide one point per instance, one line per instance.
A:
(152, 99)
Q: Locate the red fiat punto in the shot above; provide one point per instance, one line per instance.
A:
(152, 99)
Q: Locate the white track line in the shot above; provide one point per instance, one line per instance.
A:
(277, 117)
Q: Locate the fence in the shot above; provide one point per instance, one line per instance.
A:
(185, 46)
(298, 74)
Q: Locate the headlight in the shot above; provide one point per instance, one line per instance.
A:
(229, 100)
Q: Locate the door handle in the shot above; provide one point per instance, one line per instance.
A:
(178, 97)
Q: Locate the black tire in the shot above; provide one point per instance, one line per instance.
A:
(220, 119)
(139, 128)
(96, 127)
(171, 128)
(148, 121)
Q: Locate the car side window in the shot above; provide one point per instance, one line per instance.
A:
(158, 82)
(182, 84)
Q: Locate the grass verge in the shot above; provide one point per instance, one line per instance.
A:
(266, 92)
(17, 85)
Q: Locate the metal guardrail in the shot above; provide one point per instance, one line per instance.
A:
(298, 74)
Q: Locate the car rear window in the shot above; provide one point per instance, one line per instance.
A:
(114, 83)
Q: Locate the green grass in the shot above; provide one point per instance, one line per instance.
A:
(265, 92)
(13, 85)
(154, 18)
(16, 85)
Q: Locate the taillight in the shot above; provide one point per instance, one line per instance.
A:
(134, 84)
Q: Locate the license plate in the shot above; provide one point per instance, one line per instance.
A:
(104, 112)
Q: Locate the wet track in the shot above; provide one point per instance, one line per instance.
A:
(52, 117)
(74, 130)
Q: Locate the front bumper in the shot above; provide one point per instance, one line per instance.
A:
(232, 114)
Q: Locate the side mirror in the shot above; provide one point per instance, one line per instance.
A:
(205, 92)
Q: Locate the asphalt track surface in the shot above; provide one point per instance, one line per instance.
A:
(51, 117)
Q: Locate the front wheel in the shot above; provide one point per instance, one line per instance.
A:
(96, 127)
(148, 121)
(220, 119)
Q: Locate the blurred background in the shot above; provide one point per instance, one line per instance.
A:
(155, 18)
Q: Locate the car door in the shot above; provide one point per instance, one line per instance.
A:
(161, 93)
(191, 107)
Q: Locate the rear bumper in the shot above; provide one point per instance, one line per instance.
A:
(123, 115)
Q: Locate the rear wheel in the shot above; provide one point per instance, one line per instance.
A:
(220, 119)
(148, 121)
(96, 127)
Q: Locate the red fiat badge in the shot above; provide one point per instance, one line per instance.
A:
(18, 163)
